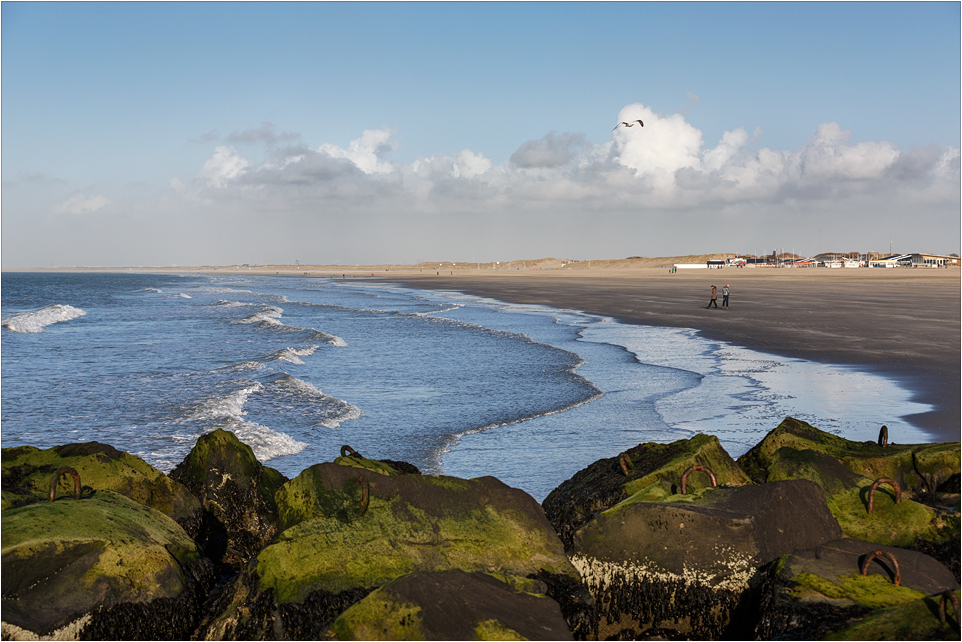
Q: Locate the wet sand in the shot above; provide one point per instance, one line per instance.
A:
(903, 323)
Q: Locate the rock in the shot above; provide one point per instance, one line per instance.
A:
(848, 494)
(339, 545)
(917, 468)
(453, 605)
(237, 492)
(656, 469)
(819, 592)
(81, 568)
(27, 472)
(690, 565)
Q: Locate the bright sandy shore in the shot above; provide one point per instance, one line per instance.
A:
(902, 322)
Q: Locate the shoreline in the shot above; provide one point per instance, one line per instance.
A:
(804, 315)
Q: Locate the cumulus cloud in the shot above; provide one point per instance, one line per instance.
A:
(80, 204)
(365, 152)
(664, 167)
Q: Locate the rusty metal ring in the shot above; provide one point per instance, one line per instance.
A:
(875, 484)
(897, 580)
(347, 449)
(883, 436)
(365, 494)
(56, 479)
(625, 462)
(946, 596)
(704, 469)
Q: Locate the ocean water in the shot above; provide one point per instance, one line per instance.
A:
(455, 384)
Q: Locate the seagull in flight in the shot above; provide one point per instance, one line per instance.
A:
(631, 124)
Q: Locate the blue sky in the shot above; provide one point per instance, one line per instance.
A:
(206, 133)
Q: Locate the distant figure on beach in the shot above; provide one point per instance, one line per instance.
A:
(714, 298)
(631, 124)
(725, 292)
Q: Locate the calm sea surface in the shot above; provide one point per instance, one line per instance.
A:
(298, 367)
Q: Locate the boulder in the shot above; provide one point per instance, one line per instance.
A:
(349, 530)
(453, 605)
(655, 469)
(237, 492)
(820, 592)
(690, 565)
(848, 494)
(917, 468)
(27, 472)
(102, 567)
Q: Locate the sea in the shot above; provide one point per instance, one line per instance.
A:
(298, 367)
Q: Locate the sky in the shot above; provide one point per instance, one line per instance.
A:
(194, 133)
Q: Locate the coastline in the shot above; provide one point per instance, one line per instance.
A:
(902, 324)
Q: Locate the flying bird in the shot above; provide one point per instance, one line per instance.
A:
(631, 124)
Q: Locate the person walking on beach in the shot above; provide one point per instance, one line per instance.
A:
(714, 298)
(725, 292)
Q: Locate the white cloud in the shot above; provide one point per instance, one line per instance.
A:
(224, 166)
(366, 151)
(80, 204)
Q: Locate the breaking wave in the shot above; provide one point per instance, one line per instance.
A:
(37, 320)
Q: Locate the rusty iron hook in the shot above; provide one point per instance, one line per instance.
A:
(684, 478)
(625, 462)
(365, 494)
(875, 484)
(883, 436)
(56, 479)
(347, 449)
(947, 596)
(897, 580)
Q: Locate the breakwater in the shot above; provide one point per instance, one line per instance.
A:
(806, 535)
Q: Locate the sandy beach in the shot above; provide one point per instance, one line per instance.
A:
(903, 323)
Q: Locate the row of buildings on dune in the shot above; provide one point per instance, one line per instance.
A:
(873, 260)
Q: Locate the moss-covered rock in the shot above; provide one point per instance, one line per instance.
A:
(915, 620)
(815, 593)
(918, 468)
(453, 605)
(691, 566)
(337, 541)
(27, 472)
(654, 473)
(72, 567)
(848, 494)
(237, 492)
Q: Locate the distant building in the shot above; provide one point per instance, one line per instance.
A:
(715, 264)
(933, 260)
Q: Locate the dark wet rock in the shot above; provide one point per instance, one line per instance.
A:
(917, 468)
(820, 592)
(104, 567)
(453, 605)
(656, 470)
(27, 472)
(692, 564)
(336, 541)
(237, 493)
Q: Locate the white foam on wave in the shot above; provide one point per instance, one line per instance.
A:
(37, 320)
(182, 295)
(293, 355)
(267, 315)
(151, 290)
(332, 411)
(228, 412)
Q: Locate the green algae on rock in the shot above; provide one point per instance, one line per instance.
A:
(237, 492)
(915, 620)
(72, 562)
(451, 605)
(655, 474)
(27, 472)
(820, 592)
(690, 566)
(917, 468)
(412, 523)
